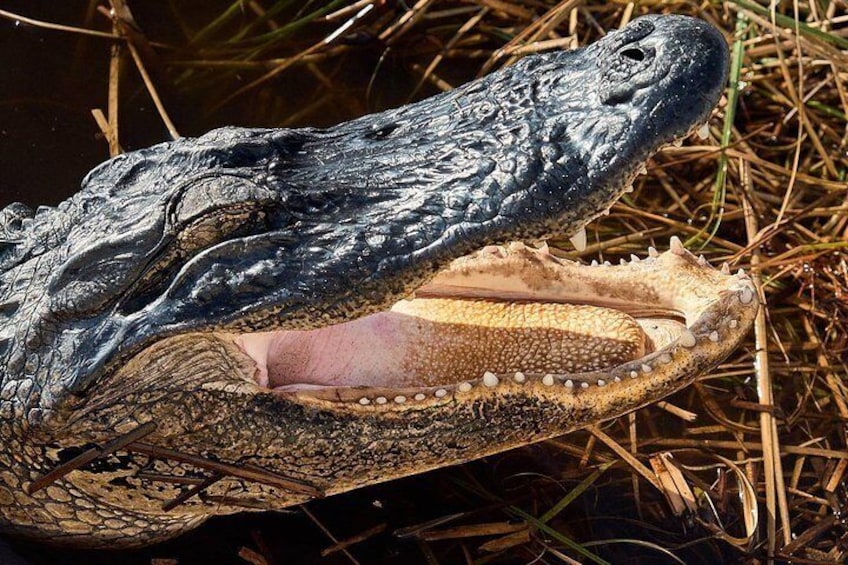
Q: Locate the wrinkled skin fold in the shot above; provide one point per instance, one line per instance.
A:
(286, 314)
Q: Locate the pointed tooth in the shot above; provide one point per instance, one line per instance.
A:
(687, 338)
(702, 261)
(704, 131)
(606, 212)
(628, 188)
(607, 264)
(578, 240)
(515, 246)
(643, 169)
(676, 246)
(548, 380)
(594, 263)
(652, 252)
(622, 261)
(725, 269)
(634, 258)
(490, 379)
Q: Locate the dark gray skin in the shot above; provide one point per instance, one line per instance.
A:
(254, 230)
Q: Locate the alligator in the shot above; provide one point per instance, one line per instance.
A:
(255, 318)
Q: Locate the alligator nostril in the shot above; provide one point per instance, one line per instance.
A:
(633, 54)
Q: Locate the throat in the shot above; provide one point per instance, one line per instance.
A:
(428, 342)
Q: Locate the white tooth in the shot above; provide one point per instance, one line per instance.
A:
(578, 240)
(464, 387)
(704, 131)
(594, 263)
(607, 264)
(725, 269)
(420, 396)
(652, 252)
(628, 188)
(606, 212)
(601, 382)
(400, 399)
(381, 400)
(676, 246)
(441, 393)
(633, 374)
(714, 337)
(364, 401)
(584, 384)
(646, 368)
(617, 379)
(687, 339)
(569, 384)
(634, 258)
(702, 261)
(746, 295)
(490, 379)
(548, 380)
(622, 261)
(519, 378)
(643, 169)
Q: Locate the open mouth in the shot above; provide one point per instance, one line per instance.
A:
(517, 316)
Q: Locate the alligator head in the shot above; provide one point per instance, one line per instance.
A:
(286, 314)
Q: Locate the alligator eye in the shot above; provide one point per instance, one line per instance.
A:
(383, 131)
(633, 54)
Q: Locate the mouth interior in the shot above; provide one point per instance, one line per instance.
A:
(444, 336)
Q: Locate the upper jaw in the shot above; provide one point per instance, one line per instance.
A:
(236, 283)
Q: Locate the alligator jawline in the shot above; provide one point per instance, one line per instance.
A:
(668, 315)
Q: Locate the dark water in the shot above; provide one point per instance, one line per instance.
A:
(51, 80)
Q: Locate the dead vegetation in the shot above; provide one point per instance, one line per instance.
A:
(746, 466)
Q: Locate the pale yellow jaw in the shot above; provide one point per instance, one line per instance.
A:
(426, 342)
(515, 310)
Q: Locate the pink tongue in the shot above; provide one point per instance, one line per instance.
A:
(437, 341)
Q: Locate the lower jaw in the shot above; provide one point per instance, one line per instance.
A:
(441, 340)
(427, 342)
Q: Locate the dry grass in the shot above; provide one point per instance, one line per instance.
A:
(765, 191)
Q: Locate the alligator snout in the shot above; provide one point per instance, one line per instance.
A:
(673, 59)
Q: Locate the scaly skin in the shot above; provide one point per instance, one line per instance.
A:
(125, 306)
